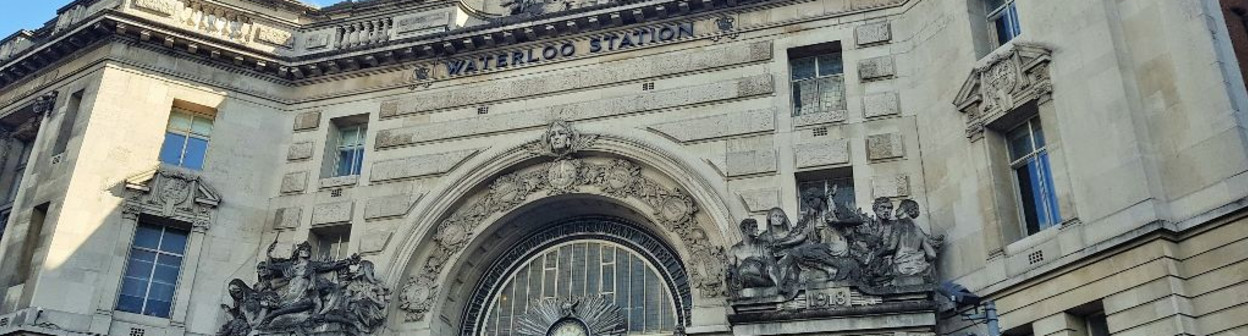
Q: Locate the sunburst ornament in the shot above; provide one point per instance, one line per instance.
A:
(582, 316)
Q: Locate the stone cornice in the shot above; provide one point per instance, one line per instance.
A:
(237, 57)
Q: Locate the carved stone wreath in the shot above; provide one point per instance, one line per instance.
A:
(619, 178)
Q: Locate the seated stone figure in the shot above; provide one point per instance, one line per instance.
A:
(752, 265)
(913, 250)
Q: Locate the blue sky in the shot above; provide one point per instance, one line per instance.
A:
(31, 14)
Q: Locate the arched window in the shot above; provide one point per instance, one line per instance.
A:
(585, 268)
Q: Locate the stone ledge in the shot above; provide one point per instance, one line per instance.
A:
(719, 126)
(420, 165)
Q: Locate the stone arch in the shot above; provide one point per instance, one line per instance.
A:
(431, 252)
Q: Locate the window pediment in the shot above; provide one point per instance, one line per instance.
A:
(1006, 79)
(172, 193)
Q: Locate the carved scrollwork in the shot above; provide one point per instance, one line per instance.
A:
(172, 193)
(1008, 79)
(674, 209)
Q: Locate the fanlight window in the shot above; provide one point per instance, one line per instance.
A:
(584, 268)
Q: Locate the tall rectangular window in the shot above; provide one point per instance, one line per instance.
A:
(18, 170)
(1003, 15)
(330, 242)
(835, 184)
(1098, 325)
(152, 271)
(186, 138)
(67, 123)
(818, 79)
(350, 150)
(34, 236)
(1029, 160)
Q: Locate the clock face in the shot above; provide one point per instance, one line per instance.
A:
(568, 327)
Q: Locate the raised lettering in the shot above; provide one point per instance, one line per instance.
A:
(666, 34)
(568, 49)
(501, 61)
(595, 45)
(454, 67)
(625, 41)
(685, 30)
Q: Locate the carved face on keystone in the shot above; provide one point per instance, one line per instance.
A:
(883, 208)
(560, 138)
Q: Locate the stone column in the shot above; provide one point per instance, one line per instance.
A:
(186, 281)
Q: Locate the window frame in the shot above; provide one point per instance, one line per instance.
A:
(19, 170)
(357, 148)
(151, 275)
(815, 53)
(1048, 202)
(337, 240)
(1008, 11)
(187, 134)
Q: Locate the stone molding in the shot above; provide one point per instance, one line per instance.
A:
(171, 193)
(674, 211)
(1005, 80)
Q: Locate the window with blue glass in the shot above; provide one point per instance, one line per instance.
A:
(350, 150)
(186, 139)
(1029, 160)
(152, 271)
(1003, 15)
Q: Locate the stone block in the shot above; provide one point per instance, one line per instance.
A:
(287, 218)
(890, 186)
(420, 165)
(873, 33)
(388, 206)
(760, 200)
(316, 41)
(375, 241)
(160, 7)
(389, 108)
(881, 104)
(825, 153)
(719, 126)
(307, 120)
(808, 119)
(415, 23)
(300, 151)
(614, 106)
(340, 181)
(328, 213)
(876, 68)
(750, 162)
(294, 182)
(885, 146)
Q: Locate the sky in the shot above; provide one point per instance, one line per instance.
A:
(31, 14)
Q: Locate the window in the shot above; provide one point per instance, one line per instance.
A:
(840, 181)
(1098, 325)
(350, 150)
(18, 170)
(186, 138)
(4, 222)
(1003, 15)
(586, 268)
(818, 79)
(344, 149)
(1029, 161)
(331, 242)
(152, 271)
(67, 123)
(34, 233)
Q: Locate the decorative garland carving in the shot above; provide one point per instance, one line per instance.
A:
(673, 208)
(1008, 79)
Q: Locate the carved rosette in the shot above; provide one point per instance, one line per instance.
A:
(674, 209)
(171, 193)
(1009, 78)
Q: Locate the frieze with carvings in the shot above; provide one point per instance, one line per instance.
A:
(171, 193)
(831, 258)
(303, 295)
(1008, 79)
(566, 173)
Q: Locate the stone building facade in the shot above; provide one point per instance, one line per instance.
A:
(640, 167)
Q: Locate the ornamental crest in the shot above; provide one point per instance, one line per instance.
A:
(1010, 78)
(172, 193)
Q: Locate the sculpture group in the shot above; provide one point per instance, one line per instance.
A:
(831, 243)
(302, 295)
